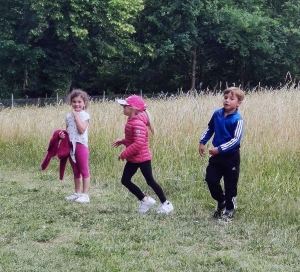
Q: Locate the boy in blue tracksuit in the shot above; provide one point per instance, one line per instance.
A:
(227, 126)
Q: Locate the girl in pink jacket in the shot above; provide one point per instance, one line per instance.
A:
(138, 155)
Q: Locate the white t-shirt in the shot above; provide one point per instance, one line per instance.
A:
(74, 136)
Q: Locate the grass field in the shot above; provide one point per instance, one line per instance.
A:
(40, 231)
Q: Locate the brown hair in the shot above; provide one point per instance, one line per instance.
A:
(236, 91)
(78, 92)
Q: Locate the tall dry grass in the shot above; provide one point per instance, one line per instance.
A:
(269, 147)
(270, 120)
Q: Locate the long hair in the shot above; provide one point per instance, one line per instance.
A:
(151, 126)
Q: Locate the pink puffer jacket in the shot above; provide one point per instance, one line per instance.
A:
(136, 139)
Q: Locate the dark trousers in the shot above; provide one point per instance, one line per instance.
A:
(146, 169)
(228, 167)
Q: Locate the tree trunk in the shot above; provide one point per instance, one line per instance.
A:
(194, 62)
(25, 80)
(242, 75)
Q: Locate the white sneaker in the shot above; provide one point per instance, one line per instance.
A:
(83, 198)
(144, 206)
(165, 207)
(72, 197)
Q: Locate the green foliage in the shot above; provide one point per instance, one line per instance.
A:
(61, 44)
(126, 45)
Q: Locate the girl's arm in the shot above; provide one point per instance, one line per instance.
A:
(81, 126)
(118, 142)
(61, 134)
(139, 139)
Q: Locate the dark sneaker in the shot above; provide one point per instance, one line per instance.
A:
(218, 212)
(226, 217)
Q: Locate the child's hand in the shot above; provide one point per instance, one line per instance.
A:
(61, 135)
(120, 158)
(76, 114)
(116, 143)
(214, 151)
(201, 150)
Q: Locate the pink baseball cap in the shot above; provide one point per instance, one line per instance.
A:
(134, 101)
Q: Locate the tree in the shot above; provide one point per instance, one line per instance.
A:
(60, 42)
(125, 45)
(209, 42)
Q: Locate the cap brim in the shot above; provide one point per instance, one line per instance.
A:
(122, 102)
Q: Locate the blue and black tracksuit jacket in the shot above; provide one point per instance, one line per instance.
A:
(228, 131)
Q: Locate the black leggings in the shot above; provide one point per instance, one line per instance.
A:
(146, 169)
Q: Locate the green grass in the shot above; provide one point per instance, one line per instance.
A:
(40, 231)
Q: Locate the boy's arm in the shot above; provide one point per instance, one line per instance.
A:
(208, 132)
(206, 136)
(235, 141)
(201, 150)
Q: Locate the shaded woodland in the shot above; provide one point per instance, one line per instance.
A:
(122, 46)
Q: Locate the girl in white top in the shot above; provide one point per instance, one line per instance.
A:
(77, 123)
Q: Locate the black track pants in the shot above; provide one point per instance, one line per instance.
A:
(228, 167)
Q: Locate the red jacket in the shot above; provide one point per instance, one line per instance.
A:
(136, 139)
(60, 148)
